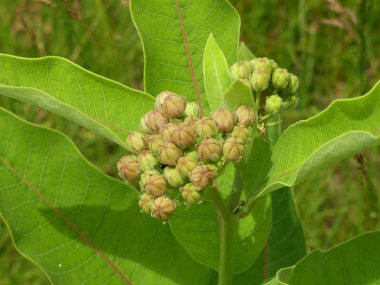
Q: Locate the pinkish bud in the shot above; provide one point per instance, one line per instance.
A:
(245, 115)
(224, 119)
(191, 121)
(169, 154)
(161, 97)
(154, 142)
(143, 124)
(156, 120)
(167, 131)
(233, 149)
(210, 150)
(155, 185)
(205, 128)
(202, 176)
(186, 164)
(163, 208)
(129, 168)
(183, 135)
(173, 106)
(136, 142)
(241, 132)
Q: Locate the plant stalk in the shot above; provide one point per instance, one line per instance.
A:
(237, 187)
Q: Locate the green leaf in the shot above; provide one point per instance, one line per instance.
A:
(79, 225)
(196, 229)
(174, 34)
(345, 128)
(104, 106)
(238, 94)
(353, 262)
(245, 53)
(216, 73)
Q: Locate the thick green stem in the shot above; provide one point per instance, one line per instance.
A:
(274, 130)
(237, 187)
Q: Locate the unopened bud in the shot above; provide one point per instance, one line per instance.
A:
(202, 176)
(161, 97)
(191, 121)
(191, 194)
(192, 109)
(262, 64)
(147, 160)
(145, 203)
(280, 78)
(273, 104)
(156, 120)
(155, 185)
(241, 132)
(240, 70)
(183, 135)
(144, 124)
(136, 142)
(173, 176)
(293, 83)
(169, 153)
(192, 154)
(274, 64)
(233, 149)
(173, 106)
(146, 174)
(224, 119)
(245, 116)
(210, 150)
(205, 128)
(214, 168)
(154, 142)
(167, 131)
(129, 168)
(186, 164)
(163, 208)
(260, 80)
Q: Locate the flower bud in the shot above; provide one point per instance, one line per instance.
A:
(169, 153)
(205, 128)
(191, 194)
(192, 154)
(147, 160)
(145, 203)
(240, 70)
(183, 135)
(224, 119)
(173, 176)
(293, 83)
(154, 142)
(210, 150)
(144, 125)
(241, 132)
(262, 64)
(173, 106)
(260, 80)
(192, 110)
(136, 142)
(167, 131)
(245, 115)
(155, 185)
(202, 176)
(163, 208)
(156, 120)
(146, 174)
(191, 121)
(233, 149)
(274, 64)
(161, 97)
(129, 168)
(186, 164)
(280, 78)
(273, 104)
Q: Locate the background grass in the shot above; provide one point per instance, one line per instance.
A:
(334, 48)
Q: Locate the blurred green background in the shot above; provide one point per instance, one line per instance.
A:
(333, 46)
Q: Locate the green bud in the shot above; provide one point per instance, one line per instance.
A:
(173, 106)
(154, 142)
(156, 120)
(202, 176)
(205, 128)
(245, 116)
(161, 97)
(185, 165)
(146, 174)
(262, 64)
(233, 149)
(183, 135)
(129, 168)
(173, 176)
(145, 203)
(224, 119)
(273, 104)
(169, 153)
(241, 132)
(192, 110)
(191, 194)
(260, 80)
(163, 208)
(144, 124)
(213, 168)
(290, 102)
(193, 154)
(293, 83)
(155, 185)
(210, 150)
(274, 64)
(240, 70)
(136, 142)
(147, 160)
(280, 78)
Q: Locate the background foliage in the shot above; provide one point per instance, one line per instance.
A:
(333, 47)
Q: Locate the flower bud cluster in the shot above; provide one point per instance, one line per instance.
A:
(177, 155)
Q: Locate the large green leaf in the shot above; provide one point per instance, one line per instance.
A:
(353, 262)
(106, 107)
(79, 225)
(196, 229)
(174, 34)
(216, 74)
(346, 127)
